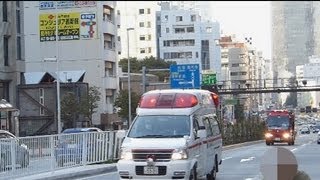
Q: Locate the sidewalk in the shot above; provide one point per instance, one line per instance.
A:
(71, 173)
(82, 171)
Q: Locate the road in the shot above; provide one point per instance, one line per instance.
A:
(244, 163)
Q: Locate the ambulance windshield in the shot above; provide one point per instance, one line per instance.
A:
(164, 126)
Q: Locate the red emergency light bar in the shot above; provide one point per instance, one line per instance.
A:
(168, 100)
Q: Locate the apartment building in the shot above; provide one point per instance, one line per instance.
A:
(140, 17)
(186, 39)
(87, 41)
(12, 58)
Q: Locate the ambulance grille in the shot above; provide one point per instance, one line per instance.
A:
(159, 155)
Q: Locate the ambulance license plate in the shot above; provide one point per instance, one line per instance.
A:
(150, 170)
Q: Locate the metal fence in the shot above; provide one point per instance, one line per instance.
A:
(39, 154)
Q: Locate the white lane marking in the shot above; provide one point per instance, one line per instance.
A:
(249, 159)
(294, 149)
(226, 158)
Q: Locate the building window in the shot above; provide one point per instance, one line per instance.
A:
(18, 21)
(119, 38)
(235, 65)
(109, 69)
(142, 51)
(166, 43)
(179, 30)
(167, 30)
(148, 11)
(107, 13)
(110, 96)
(141, 24)
(6, 50)
(149, 37)
(149, 49)
(41, 99)
(234, 74)
(118, 12)
(4, 11)
(197, 55)
(4, 90)
(109, 42)
(118, 26)
(158, 18)
(166, 55)
(208, 29)
(166, 17)
(149, 24)
(178, 18)
(142, 38)
(190, 29)
(19, 48)
(141, 11)
(193, 18)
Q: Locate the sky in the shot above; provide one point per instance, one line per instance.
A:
(245, 19)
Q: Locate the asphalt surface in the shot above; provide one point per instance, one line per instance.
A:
(243, 163)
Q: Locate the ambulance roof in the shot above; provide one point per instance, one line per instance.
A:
(177, 110)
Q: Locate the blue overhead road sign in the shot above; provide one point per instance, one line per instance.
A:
(185, 76)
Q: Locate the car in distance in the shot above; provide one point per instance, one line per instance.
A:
(21, 151)
(70, 145)
(305, 130)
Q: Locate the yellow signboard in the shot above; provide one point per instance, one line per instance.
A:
(47, 24)
(69, 26)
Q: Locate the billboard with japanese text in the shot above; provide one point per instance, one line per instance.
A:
(46, 5)
(88, 26)
(47, 26)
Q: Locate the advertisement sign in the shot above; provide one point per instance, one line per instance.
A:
(45, 5)
(88, 26)
(47, 26)
(69, 26)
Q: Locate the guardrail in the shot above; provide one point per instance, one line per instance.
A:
(39, 154)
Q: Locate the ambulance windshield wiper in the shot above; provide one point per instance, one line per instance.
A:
(150, 136)
(158, 136)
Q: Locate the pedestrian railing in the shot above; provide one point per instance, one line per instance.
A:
(40, 154)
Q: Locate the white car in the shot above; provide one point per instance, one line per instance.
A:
(318, 137)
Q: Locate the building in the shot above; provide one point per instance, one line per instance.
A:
(12, 59)
(295, 32)
(37, 102)
(141, 16)
(186, 39)
(87, 40)
(292, 34)
(310, 72)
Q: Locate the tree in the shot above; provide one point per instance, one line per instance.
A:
(69, 109)
(89, 103)
(122, 103)
(292, 98)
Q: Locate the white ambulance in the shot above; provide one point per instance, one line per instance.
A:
(175, 135)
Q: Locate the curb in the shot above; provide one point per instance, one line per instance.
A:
(73, 173)
(241, 145)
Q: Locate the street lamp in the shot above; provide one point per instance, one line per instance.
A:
(58, 91)
(129, 79)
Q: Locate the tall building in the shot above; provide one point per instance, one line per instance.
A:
(141, 16)
(12, 64)
(292, 35)
(87, 40)
(185, 39)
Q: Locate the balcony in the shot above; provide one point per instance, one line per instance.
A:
(108, 27)
(110, 82)
(109, 54)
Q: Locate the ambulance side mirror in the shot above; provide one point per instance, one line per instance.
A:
(201, 133)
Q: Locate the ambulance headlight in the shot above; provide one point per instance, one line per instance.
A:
(179, 154)
(125, 154)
